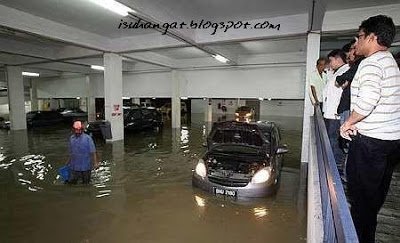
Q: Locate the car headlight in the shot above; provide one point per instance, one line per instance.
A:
(248, 114)
(201, 169)
(261, 175)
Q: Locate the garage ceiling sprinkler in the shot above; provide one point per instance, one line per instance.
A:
(221, 58)
(114, 6)
(97, 67)
(29, 74)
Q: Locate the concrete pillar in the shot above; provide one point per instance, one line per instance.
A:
(208, 111)
(313, 49)
(175, 100)
(53, 104)
(136, 101)
(16, 99)
(34, 99)
(90, 101)
(113, 94)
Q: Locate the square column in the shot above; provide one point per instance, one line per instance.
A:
(113, 94)
(175, 100)
(313, 49)
(34, 99)
(90, 101)
(16, 99)
(208, 111)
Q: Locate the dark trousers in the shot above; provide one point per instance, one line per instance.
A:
(369, 172)
(332, 128)
(80, 175)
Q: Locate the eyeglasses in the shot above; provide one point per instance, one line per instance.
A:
(357, 37)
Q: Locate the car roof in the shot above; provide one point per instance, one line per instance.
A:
(265, 125)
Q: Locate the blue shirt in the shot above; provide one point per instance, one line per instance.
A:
(80, 149)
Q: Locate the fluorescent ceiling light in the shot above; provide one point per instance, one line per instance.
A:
(78, 98)
(184, 98)
(97, 67)
(220, 58)
(260, 98)
(114, 6)
(126, 98)
(30, 74)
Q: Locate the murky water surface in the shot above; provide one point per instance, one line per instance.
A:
(141, 193)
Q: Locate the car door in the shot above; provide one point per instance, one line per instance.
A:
(277, 142)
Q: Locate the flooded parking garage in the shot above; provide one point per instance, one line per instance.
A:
(141, 193)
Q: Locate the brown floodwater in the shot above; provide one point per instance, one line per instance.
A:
(141, 193)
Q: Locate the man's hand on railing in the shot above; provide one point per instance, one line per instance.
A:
(347, 130)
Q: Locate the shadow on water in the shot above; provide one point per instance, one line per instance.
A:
(142, 192)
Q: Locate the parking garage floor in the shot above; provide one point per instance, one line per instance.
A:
(141, 193)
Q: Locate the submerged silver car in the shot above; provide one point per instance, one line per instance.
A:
(242, 160)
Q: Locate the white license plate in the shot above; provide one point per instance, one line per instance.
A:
(226, 192)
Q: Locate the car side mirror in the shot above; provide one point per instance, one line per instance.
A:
(282, 149)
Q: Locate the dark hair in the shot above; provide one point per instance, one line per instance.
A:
(382, 26)
(346, 48)
(338, 53)
(321, 59)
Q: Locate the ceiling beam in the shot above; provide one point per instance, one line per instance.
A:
(28, 23)
(316, 13)
(350, 19)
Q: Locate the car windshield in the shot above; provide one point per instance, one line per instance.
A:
(30, 115)
(235, 148)
(244, 109)
(244, 137)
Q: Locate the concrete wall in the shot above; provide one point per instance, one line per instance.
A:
(61, 87)
(266, 82)
(290, 108)
(276, 82)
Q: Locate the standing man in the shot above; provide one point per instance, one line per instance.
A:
(318, 82)
(374, 124)
(83, 156)
(332, 94)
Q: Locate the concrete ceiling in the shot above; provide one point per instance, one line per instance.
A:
(347, 4)
(22, 43)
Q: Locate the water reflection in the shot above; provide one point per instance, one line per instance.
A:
(201, 202)
(141, 192)
(260, 212)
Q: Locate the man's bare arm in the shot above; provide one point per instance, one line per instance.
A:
(314, 94)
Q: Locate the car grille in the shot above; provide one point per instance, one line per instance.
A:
(229, 181)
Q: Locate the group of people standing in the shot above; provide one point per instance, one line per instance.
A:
(360, 100)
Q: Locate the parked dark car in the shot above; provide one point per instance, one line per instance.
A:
(73, 114)
(4, 124)
(43, 118)
(142, 118)
(242, 160)
(245, 113)
(39, 119)
(134, 119)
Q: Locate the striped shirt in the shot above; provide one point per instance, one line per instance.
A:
(375, 93)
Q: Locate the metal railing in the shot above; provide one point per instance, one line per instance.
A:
(337, 224)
